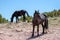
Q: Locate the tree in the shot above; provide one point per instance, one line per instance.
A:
(0, 18)
(3, 20)
(59, 12)
(53, 13)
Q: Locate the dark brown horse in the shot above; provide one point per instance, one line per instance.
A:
(19, 13)
(39, 19)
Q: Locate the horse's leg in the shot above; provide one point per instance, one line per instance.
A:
(37, 30)
(24, 18)
(43, 28)
(33, 31)
(16, 19)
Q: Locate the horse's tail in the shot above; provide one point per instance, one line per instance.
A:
(46, 23)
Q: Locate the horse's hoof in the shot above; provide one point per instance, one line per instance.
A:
(38, 35)
(32, 36)
(44, 32)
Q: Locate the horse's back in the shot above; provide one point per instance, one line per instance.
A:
(43, 16)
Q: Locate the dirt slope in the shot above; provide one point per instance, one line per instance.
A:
(23, 31)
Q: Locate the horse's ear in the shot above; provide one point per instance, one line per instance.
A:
(38, 11)
(35, 11)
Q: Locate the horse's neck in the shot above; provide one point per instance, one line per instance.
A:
(37, 18)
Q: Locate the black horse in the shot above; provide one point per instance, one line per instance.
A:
(19, 13)
(40, 19)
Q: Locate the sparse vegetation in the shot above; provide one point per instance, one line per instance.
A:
(28, 19)
(22, 31)
(3, 20)
(53, 13)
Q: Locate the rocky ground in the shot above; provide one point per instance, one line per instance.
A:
(23, 31)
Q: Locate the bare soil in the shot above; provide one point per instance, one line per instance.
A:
(23, 31)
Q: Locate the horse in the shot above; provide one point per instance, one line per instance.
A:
(19, 13)
(39, 19)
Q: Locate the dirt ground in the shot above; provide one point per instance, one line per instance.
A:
(23, 31)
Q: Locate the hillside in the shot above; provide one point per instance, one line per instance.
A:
(23, 31)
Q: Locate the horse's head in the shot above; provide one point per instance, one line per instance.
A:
(36, 19)
(14, 14)
(36, 14)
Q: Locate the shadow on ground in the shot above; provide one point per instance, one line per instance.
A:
(35, 36)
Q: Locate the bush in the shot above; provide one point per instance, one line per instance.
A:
(28, 19)
(3, 20)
